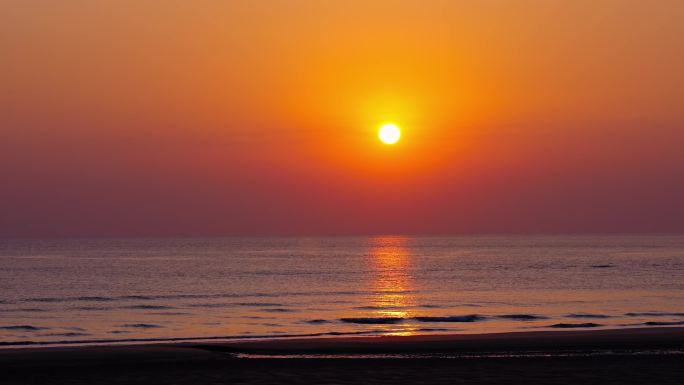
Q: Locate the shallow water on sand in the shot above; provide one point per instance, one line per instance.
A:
(127, 289)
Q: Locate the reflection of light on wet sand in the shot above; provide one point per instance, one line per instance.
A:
(392, 283)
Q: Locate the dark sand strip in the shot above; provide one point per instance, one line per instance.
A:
(627, 340)
(193, 363)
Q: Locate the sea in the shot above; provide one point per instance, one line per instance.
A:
(135, 290)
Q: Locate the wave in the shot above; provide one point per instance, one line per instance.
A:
(522, 317)
(148, 307)
(570, 326)
(192, 296)
(70, 334)
(93, 308)
(141, 326)
(659, 323)
(654, 314)
(206, 296)
(209, 305)
(147, 297)
(179, 339)
(427, 319)
(433, 330)
(23, 327)
(587, 315)
(25, 310)
(460, 318)
(317, 321)
(378, 307)
(138, 297)
(396, 320)
(373, 321)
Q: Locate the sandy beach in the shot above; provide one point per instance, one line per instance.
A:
(628, 356)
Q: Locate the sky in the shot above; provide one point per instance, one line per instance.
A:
(211, 118)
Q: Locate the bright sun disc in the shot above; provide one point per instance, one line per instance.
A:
(389, 133)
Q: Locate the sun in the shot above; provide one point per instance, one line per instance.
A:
(389, 133)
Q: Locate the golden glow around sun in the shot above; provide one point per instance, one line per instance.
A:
(389, 133)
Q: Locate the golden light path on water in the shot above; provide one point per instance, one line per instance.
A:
(392, 285)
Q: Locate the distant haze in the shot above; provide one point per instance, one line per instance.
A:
(148, 118)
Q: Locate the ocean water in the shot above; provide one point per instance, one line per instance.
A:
(120, 290)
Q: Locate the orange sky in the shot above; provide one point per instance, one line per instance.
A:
(260, 117)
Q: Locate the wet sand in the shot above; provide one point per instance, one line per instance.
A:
(627, 356)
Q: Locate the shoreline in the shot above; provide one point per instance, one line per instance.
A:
(625, 339)
(282, 341)
(555, 357)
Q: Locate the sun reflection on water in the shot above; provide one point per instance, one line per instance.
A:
(392, 284)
